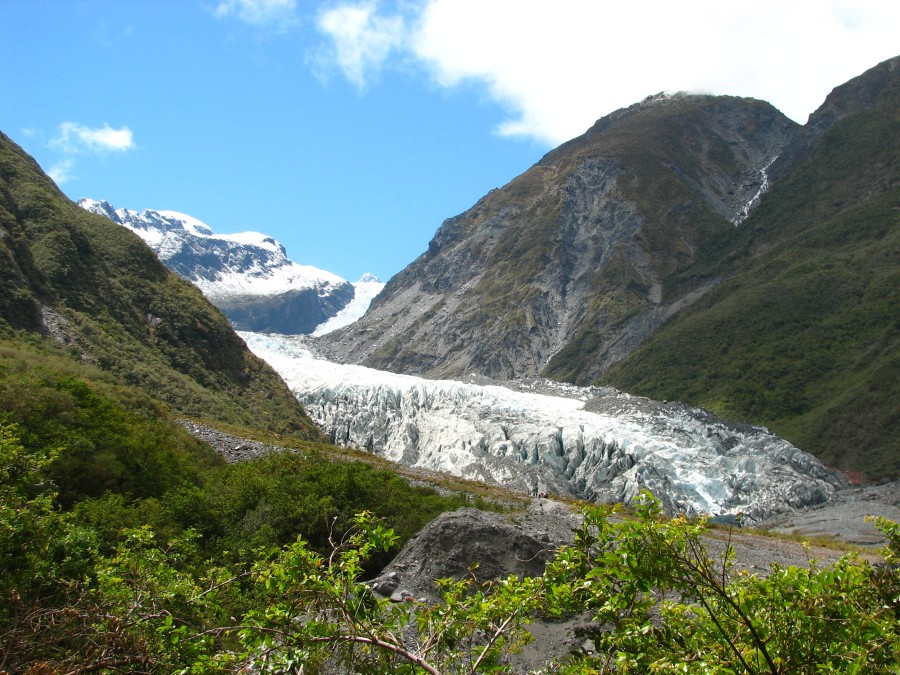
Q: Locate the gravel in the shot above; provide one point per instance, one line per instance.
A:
(844, 518)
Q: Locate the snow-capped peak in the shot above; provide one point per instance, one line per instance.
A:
(247, 275)
(222, 265)
(188, 223)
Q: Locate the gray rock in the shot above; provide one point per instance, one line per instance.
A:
(562, 271)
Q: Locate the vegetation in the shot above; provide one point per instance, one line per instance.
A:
(99, 290)
(79, 599)
(112, 517)
(804, 335)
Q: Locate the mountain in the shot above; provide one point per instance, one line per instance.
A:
(755, 259)
(576, 252)
(247, 275)
(78, 281)
(539, 436)
(805, 335)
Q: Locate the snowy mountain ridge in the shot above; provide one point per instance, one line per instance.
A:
(597, 444)
(247, 275)
(250, 263)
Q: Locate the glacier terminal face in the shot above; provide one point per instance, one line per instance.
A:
(596, 444)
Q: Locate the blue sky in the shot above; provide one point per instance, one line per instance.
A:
(350, 129)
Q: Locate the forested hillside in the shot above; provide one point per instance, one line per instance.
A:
(804, 336)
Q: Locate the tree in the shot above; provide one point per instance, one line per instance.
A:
(317, 610)
(660, 602)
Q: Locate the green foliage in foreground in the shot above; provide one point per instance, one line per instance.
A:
(108, 508)
(660, 603)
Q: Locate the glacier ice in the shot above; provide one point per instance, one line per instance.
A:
(597, 444)
(365, 291)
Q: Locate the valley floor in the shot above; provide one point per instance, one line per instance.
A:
(844, 517)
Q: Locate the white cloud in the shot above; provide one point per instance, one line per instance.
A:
(557, 67)
(280, 14)
(361, 40)
(76, 138)
(61, 172)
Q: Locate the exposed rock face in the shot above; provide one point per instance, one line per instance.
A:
(248, 275)
(539, 436)
(563, 271)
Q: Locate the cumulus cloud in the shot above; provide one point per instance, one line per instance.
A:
(361, 40)
(279, 14)
(74, 139)
(557, 67)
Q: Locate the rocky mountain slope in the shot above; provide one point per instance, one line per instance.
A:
(595, 444)
(804, 335)
(758, 255)
(94, 288)
(247, 275)
(581, 244)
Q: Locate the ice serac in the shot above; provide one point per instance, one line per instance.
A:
(537, 435)
(247, 275)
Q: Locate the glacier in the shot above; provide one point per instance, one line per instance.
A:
(597, 444)
(365, 291)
